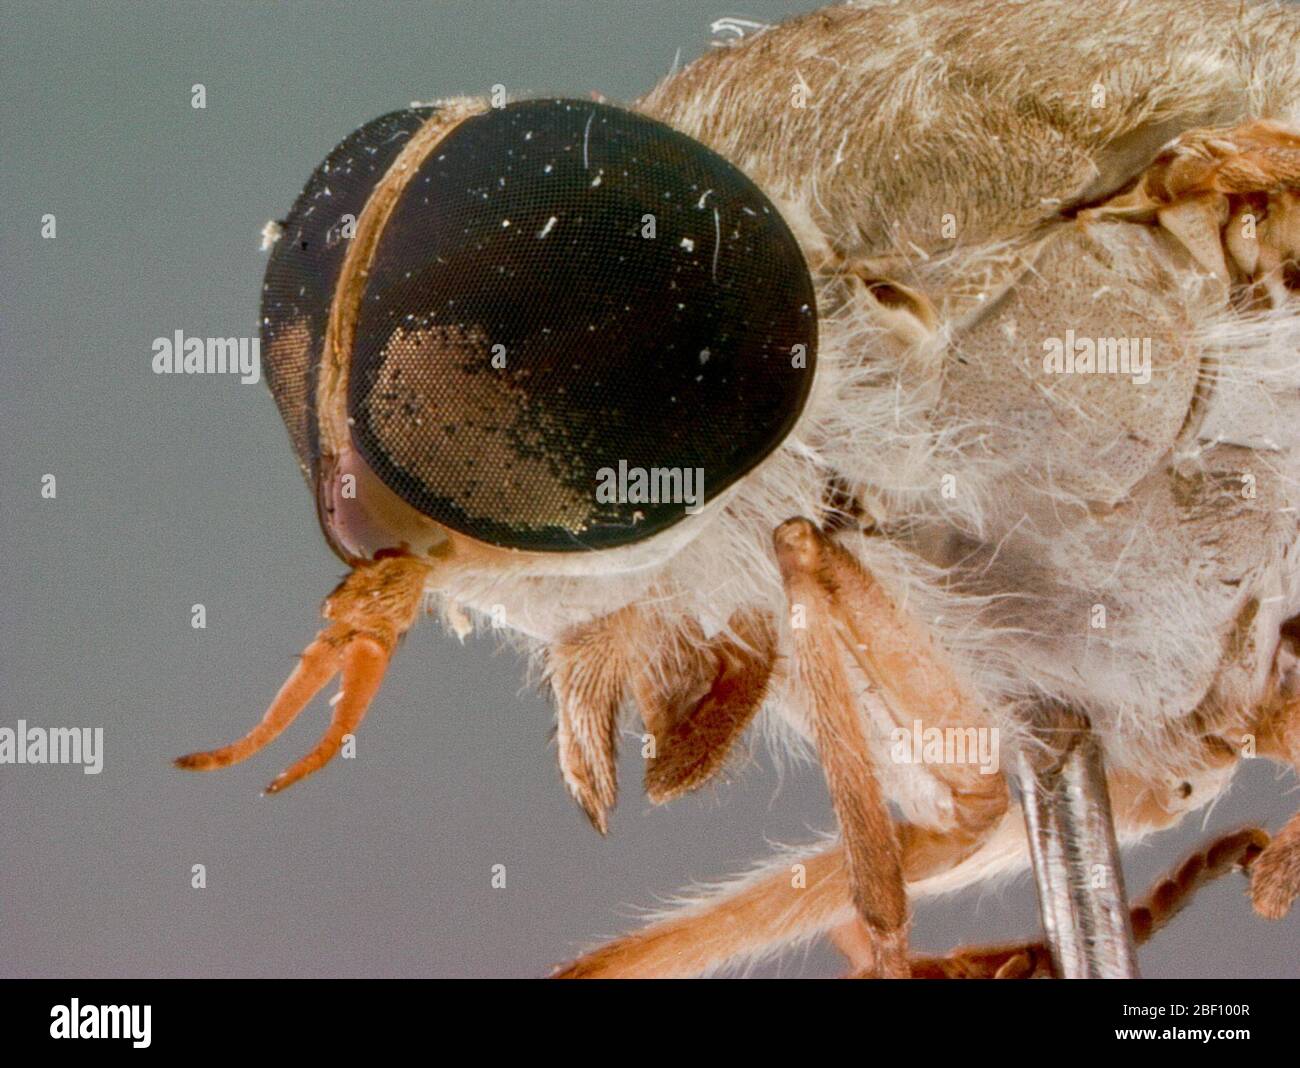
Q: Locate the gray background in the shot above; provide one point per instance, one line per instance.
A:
(177, 490)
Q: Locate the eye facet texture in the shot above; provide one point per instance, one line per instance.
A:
(304, 266)
(576, 323)
(564, 286)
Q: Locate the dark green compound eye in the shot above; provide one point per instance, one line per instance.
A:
(577, 327)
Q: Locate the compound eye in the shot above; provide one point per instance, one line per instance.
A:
(578, 326)
(305, 263)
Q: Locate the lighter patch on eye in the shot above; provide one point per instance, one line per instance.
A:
(288, 354)
(467, 433)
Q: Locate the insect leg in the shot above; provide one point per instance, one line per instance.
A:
(911, 675)
(1162, 903)
(841, 603)
(794, 897)
(1275, 877)
(915, 682)
(872, 851)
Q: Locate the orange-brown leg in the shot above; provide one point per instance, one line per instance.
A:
(1275, 883)
(872, 849)
(798, 900)
(1236, 851)
(1275, 877)
(912, 677)
(372, 608)
(793, 899)
(916, 682)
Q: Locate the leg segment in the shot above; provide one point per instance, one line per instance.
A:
(794, 898)
(840, 602)
(789, 900)
(871, 844)
(915, 682)
(1275, 877)
(1237, 851)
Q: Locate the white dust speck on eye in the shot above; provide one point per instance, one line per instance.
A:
(704, 198)
(717, 241)
(688, 244)
(528, 135)
(271, 233)
(600, 177)
(547, 169)
(704, 355)
(505, 223)
(550, 225)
